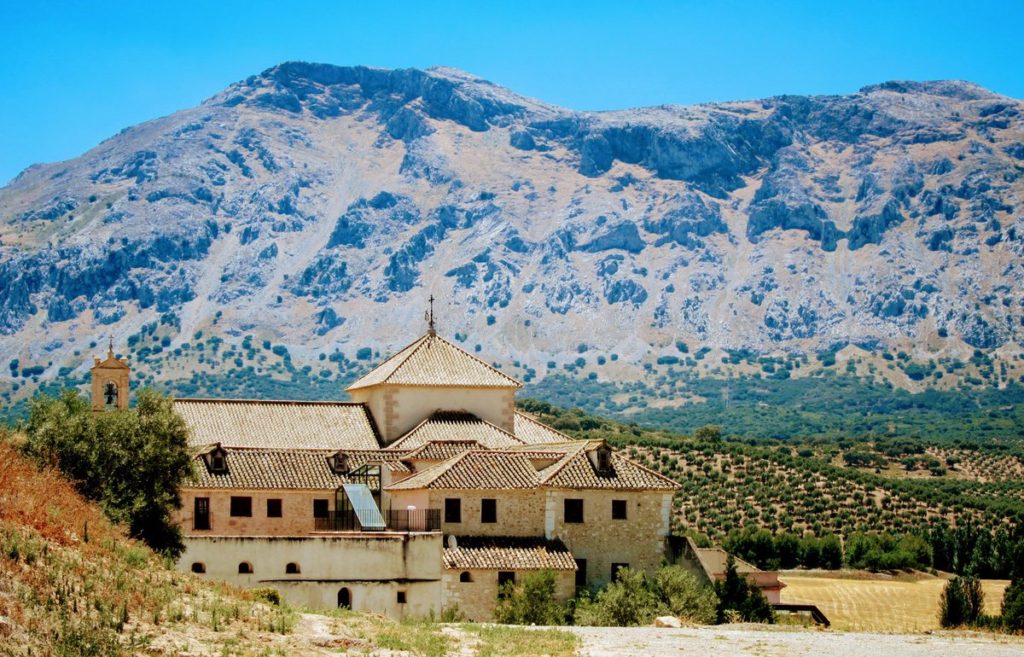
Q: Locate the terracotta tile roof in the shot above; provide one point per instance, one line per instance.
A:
(575, 471)
(278, 424)
(271, 469)
(454, 425)
(508, 553)
(531, 431)
(433, 361)
(390, 460)
(483, 469)
(440, 450)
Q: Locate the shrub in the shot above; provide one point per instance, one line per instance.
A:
(625, 602)
(961, 603)
(530, 603)
(684, 595)
(738, 598)
(1013, 606)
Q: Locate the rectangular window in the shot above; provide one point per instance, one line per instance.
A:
(488, 510)
(320, 509)
(505, 577)
(452, 509)
(616, 567)
(618, 509)
(274, 508)
(401, 597)
(201, 513)
(581, 573)
(573, 511)
(241, 507)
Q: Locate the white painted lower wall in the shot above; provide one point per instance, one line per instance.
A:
(374, 567)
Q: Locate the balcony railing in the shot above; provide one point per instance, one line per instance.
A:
(395, 520)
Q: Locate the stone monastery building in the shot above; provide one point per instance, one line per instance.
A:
(427, 491)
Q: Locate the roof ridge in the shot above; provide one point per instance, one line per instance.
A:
(432, 474)
(563, 462)
(396, 445)
(297, 402)
(650, 471)
(534, 420)
(422, 341)
(485, 364)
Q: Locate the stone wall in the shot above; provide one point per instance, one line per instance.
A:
(373, 567)
(477, 599)
(296, 512)
(638, 541)
(520, 512)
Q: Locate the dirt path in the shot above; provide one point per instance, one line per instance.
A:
(743, 640)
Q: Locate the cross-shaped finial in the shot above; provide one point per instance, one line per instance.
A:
(430, 317)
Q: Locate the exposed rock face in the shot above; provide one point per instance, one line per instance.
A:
(319, 205)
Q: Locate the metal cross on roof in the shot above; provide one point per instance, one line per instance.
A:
(429, 316)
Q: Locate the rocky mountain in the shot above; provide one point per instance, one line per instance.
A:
(316, 207)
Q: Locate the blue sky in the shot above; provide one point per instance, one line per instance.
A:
(74, 73)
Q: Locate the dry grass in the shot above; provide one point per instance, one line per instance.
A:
(879, 604)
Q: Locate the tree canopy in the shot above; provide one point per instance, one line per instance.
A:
(133, 462)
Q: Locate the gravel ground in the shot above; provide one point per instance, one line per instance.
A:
(745, 640)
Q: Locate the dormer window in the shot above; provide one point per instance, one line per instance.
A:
(217, 460)
(339, 463)
(604, 459)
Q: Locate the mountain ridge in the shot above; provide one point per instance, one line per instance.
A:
(316, 206)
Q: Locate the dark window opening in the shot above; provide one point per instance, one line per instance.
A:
(452, 509)
(218, 463)
(344, 599)
(465, 577)
(273, 508)
(241, 507)
(245, 568)
(574, 511)
(489, 510)
(401, 597)
(199, 567)
(201, 513)
(321, 508)
(604, 460)
(581, 573)
(292, 569)
(506, 580)
(618, 509)
(616, 567)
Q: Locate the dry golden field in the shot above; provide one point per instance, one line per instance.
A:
(865, 602)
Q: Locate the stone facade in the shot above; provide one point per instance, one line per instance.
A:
(638, 541)
(477, 598)
(296, 512)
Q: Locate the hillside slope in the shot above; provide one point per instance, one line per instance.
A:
(315, 207)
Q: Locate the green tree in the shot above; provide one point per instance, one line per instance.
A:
(627, 601)
(708, 433)
(132, 462)
(737, 596)
(530, 603)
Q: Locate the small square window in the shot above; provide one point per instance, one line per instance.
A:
(618, 509)
(241, 507)
(488, 510)
(320, 509)
(401, 597)
(505, 577)
(452, 509)
(573, 511)
(274, 508)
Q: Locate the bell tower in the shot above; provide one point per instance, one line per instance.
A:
(110, 382)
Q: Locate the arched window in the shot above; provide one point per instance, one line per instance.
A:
(465, 577)
(245, 568)
(292, 569)
(199, 567)
(344, 599)
(110, 393)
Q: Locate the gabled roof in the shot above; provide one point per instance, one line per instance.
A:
(508, 553)
(278, 424)
(529, 430)
(433, 361)
(388, 460)
(576, 471)
(271, 469)
(440, 450)
(455, 425)
(487, 470)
